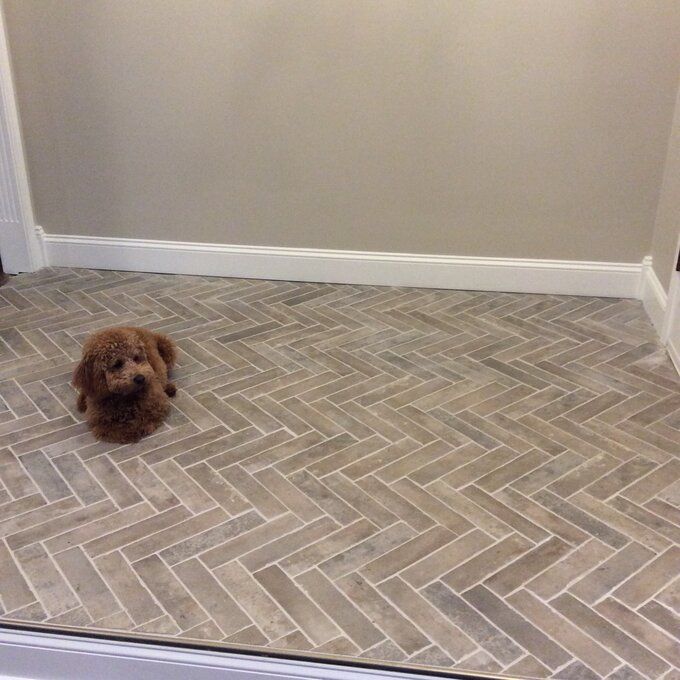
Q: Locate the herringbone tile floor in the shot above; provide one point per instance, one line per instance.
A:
(473, 480)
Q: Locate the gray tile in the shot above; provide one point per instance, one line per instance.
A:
(394, 474)
(469, 620)
(517, 627)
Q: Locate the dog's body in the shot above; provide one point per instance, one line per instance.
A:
(123, 382)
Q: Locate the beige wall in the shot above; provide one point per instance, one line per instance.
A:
(667, 225)
(515, 128)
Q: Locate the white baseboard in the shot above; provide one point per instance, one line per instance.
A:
(609, 279)
(43, 656)
(653, 295)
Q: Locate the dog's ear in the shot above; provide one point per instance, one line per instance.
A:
(88, 377)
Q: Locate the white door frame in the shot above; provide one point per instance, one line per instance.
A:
(49, 656)
(670, 330)
(20, 247)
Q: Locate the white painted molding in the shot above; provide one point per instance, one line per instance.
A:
(567, 277)
(48, 656)
(670, 332)
(653, 295)
(19, 243)
(673, 348)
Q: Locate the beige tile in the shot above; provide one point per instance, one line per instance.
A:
(571, 513)
(172, 595)
(445, 559)
(661, 616)
(82, 534)
(355, 497)
(57, 525)
(479, 467)
(610, 514)
(670, 596)
(118, 487)
(45, 580)
(84, 485)
(288, 494)
(346, 616)
(465, 617)
(569, 569)
(485, 562)
(354, 557)
(91, 589)
(403, 556)
(517, 627)
(328, 501)
(641, 630)
(620, 477)
(218, 488)
(447, 464)
(511, 471)
(336, 542)
(46, 477)
(276, 452)
(650, 579)
(249, 540)
(610, 636)
(504, 513)
(448, 636)
(394, 474)
(513, 575)
(413, 461)
(290, 543)
(383, 614)
(257, 495)
(569, 636)
(14, 590)
(379, 459)
(190, 494)
(136, 531)
(530, 667)
(174, 534)
(254, 600)
(654, 482)
(438, 501)
(539, 515)
(127, 587)
(311, 619)
(214, 599)
(198, 543)
(611, 572)
(148, 484)
(396, 503)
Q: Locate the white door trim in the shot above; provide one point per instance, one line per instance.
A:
(653, 296)
(20, 247)
(49, 656)
(670, 328)
(663, 308)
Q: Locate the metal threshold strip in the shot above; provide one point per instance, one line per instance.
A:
(41, 651)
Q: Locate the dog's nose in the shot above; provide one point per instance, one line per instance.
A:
(139, 379)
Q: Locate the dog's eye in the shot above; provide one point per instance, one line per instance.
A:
(139, 358)
(117, 365)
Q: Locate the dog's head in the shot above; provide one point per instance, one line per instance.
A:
(114, 362)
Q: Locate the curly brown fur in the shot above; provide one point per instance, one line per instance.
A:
(123, 382)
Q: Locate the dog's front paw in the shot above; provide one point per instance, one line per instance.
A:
(170, 389)
(82, 403)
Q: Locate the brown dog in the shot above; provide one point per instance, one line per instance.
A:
(123, 382)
